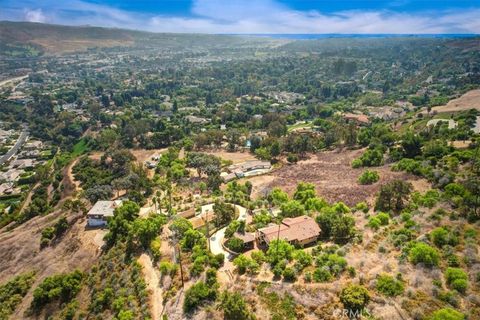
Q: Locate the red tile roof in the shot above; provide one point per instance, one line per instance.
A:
(292, 229)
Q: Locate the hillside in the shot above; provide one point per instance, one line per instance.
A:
(33, 39)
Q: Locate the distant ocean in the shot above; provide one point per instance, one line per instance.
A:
(300, 36)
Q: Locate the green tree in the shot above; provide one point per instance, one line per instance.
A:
(277, 197)
(292, 208)
(354, 297)
(224, 213)
(411, 144)
(279, 250)
(393, 196)
(120, 224)
(304, 192)
(179, 226)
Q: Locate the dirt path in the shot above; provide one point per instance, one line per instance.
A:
(153, 283)
(69, 180)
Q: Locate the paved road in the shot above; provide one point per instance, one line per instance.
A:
(217, 238)
(21, 140)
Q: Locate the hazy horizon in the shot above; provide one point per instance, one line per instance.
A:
(256, 17)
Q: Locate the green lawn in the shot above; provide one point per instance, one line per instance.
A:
(80, 148)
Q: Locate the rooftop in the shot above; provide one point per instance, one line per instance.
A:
(292, 229)
(104, 208)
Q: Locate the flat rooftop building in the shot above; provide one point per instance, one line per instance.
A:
(98, 214)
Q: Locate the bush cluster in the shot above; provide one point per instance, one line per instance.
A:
(368, 177)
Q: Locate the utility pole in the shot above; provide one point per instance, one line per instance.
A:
(278, 239)
(180, 262)
(207, 224)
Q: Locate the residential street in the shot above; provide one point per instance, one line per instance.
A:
(21, 140)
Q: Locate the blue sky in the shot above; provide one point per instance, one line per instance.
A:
(259, 16)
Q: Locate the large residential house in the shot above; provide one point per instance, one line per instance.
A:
(300, 230)
(98, 214)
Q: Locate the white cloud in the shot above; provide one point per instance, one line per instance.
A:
(35, 16)
(247, 16)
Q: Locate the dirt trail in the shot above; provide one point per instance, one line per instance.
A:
(153, 283)
(71, 185)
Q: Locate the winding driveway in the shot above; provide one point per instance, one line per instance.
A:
(217, 238)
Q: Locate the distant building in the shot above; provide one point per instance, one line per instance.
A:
(249, 166)
(358, 118)
(98, 214)
(32, 145)
(301, 230)
(196, 120)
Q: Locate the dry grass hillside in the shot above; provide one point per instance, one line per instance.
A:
(20, 251)
(470, 100)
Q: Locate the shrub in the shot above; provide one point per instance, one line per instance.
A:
(380, 219)
(292, 158)
(234, 307)
(235, 244)
(258, 256)
(167, 268)
(369, 177)
(322, 274)
(357, 163)
(354, 297)
(47, 235)
(155, 248)
(442, 236)
(243, 263)
(289, 274)
(447, 314)
(429, 199)
(62, 286)
(333, 262)
(197, 294)
(362, 206)
(384, 218)
(374, 223)
(303, 259)
(389, 286)
(409, 165)
(218, 260)
(457, 279)
(423, 253)
(12, 292)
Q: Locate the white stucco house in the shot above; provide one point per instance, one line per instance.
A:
(98, 214)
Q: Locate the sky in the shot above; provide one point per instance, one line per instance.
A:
(256, 16)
